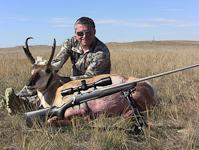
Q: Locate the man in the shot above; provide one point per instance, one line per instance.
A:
(89, 57)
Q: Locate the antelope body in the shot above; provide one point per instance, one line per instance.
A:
(49, 86)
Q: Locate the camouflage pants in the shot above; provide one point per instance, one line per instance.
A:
(30, 99)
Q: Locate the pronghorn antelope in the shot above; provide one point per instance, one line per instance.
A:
(49, 86)
(43, 78)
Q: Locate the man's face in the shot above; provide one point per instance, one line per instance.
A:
(87, 38)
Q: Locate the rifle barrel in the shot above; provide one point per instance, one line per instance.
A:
(166, 73)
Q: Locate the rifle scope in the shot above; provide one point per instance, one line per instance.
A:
(84, 86)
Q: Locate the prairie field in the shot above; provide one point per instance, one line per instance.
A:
(173, 123)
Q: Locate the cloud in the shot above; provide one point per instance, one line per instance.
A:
(62, 25)
(61, 20)
(93, 12)
(14, 19)
(130, 24)
(109, 21)
(174, 9)
(164, 20)
(99, 12)
(187, 25)
(124, 23)
(169, 22)
(23, 19)
(166, 33)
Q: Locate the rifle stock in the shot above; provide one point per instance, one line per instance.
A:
(46, 113)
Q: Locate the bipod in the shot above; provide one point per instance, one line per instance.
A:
(135, 129)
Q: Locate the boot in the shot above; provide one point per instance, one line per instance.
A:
(13, 103)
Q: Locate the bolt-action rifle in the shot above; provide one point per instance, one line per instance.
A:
(47, 113)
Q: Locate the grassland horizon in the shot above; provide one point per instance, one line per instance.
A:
(173, 123)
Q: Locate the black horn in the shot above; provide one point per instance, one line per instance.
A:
(27, 52)
(52, 53)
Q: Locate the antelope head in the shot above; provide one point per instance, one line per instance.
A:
(41, 71)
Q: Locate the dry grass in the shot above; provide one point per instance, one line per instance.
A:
(172, 125)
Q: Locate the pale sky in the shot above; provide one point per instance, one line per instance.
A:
(116, 20)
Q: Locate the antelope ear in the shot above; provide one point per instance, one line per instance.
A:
(39, 58)
(40, 61)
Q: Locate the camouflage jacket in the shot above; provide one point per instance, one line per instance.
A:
(93, 62)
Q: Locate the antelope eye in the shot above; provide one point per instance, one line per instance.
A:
(48, 70)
